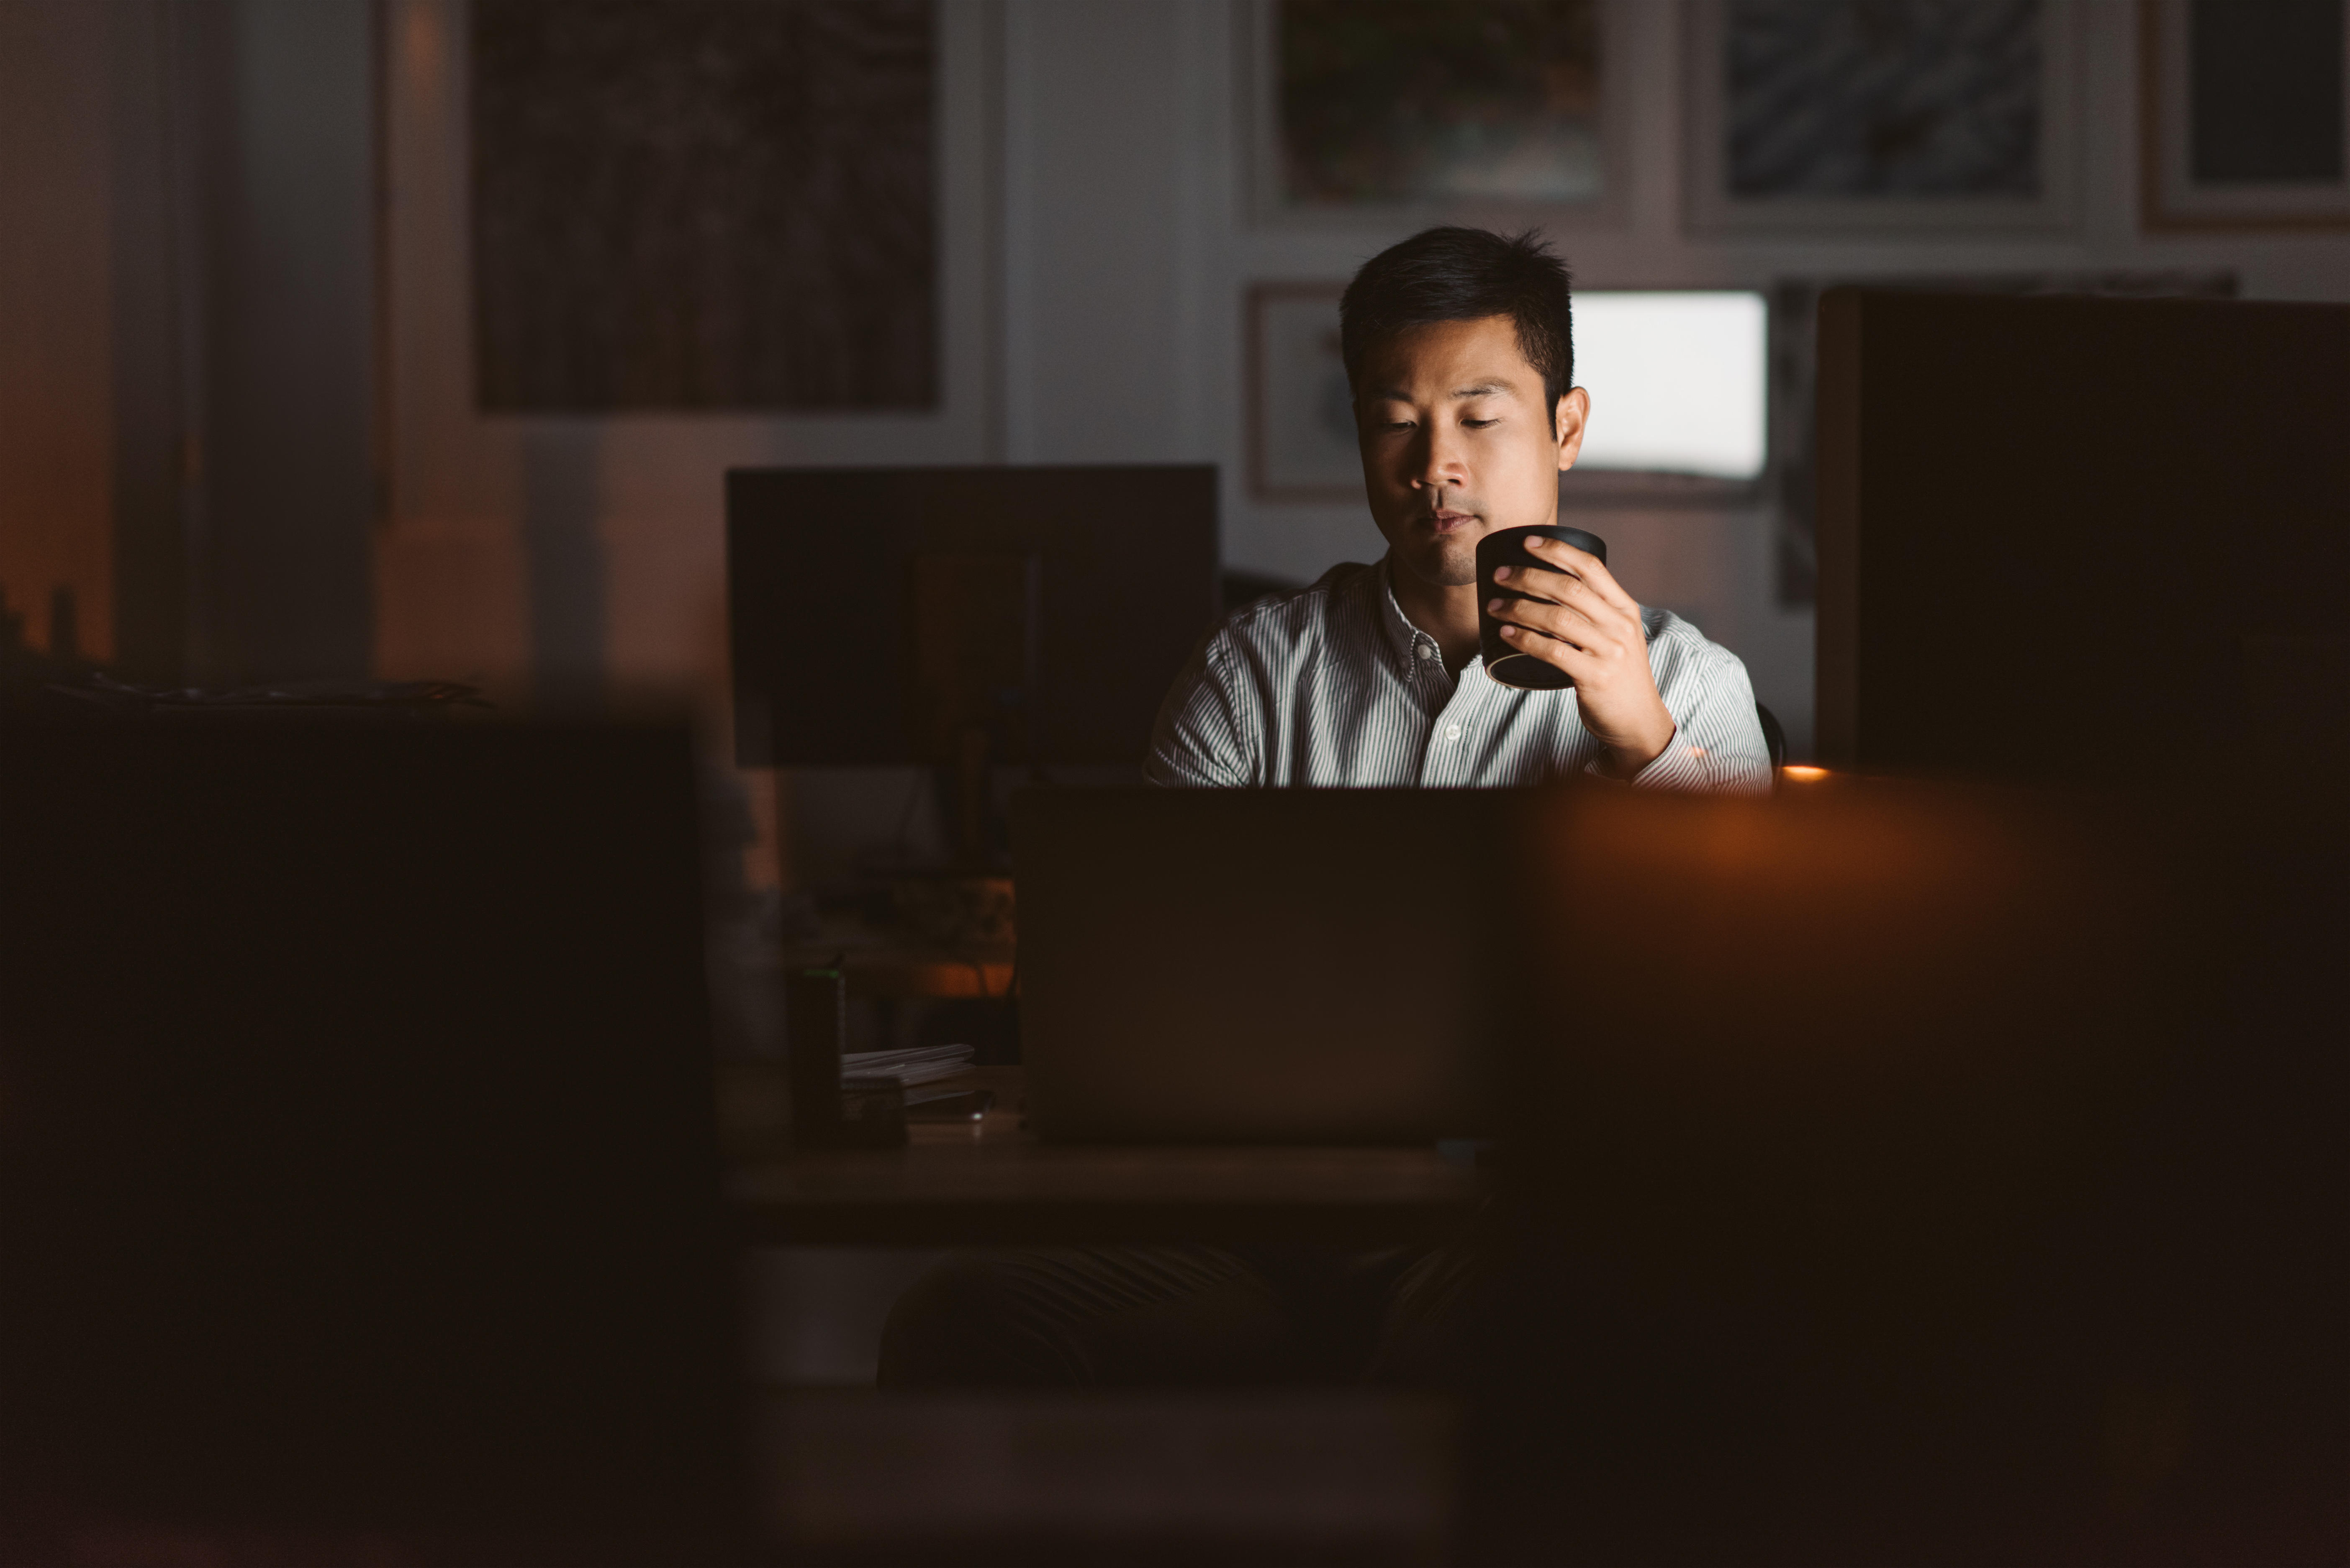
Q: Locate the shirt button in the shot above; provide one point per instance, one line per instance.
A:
(1452, 732)
(1428, 650)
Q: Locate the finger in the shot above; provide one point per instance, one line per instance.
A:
(1577, 662)
(1582, 595)
(1556, 620)
(1565, 587)
(1551, 620)
(1540, 581)
(1586, 566)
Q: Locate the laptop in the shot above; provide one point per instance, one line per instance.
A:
(1250, 965)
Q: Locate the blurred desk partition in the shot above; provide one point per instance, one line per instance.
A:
(1917, 1171)
(358, 1168)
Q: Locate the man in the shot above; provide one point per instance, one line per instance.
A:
(1457, 347)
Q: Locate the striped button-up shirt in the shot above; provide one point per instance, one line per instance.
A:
(1333, 685)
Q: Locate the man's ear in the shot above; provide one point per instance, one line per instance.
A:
(1567, 424)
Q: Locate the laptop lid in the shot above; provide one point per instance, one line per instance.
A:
(1235, 966)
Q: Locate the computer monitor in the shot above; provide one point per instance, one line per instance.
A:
(2082, 537)
(914, 616)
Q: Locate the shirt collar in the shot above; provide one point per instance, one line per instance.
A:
(1403, 638)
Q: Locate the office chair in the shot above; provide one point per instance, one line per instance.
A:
(1773, 737)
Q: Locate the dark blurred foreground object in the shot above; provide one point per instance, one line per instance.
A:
(1904, 1172)
(2036, 560)
(358, 1177)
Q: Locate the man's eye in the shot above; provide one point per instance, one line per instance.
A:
(1480, 424)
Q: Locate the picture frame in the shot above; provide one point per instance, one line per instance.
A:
(2184, 138)
(1256, 27)
(1974, 160)
(658, 226)
(1301, 436)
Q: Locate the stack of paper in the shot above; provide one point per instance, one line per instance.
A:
(909, 1067)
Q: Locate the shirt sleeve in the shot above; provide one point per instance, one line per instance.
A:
(1717, 746)
(1200, 741)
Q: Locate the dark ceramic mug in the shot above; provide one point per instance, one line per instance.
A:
(1507, 547)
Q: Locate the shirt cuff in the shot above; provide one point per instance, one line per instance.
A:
(1681, 765)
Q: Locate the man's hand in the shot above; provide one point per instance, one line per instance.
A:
(1579, 620)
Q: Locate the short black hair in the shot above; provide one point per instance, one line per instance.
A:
(1453, 274)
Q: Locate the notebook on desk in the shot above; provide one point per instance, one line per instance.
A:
(1249, 966)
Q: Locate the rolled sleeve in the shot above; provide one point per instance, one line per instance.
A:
(1717, 744)
(1200, 740)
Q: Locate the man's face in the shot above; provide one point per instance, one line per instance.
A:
(1457, 442)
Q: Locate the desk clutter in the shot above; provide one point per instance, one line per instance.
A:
(861, 1099)
(920, 1065)
(919, 1078)
(878, 1097)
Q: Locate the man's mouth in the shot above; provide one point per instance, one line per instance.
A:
(1444, 522)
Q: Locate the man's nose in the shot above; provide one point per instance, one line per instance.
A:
(1441, 464)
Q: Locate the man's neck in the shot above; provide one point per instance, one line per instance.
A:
(1447, 615)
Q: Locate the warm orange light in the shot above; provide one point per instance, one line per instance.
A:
(1803, 771)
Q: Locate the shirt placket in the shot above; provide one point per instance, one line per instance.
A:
(1445, 759)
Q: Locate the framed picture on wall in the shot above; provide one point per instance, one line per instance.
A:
(661, 220)
(1301, 434)
(2244, 114)
(1881, 114)
(1417, 110)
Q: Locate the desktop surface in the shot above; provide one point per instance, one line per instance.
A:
(994, 1182)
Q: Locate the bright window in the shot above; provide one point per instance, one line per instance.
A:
(1676, 381)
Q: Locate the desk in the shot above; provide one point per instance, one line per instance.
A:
(893, 972)
(991, 1183)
